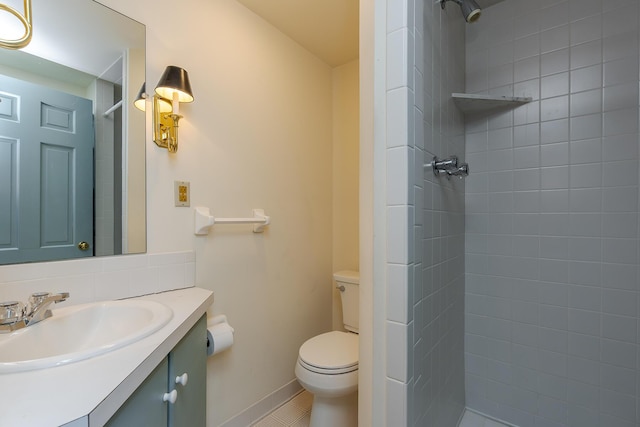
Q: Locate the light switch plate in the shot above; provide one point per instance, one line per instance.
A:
(181, 193)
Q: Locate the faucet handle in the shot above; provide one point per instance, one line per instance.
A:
(11, 312)
(38, 298)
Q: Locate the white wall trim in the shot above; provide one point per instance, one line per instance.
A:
(264, 406)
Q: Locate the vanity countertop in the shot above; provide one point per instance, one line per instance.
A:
(89, 392)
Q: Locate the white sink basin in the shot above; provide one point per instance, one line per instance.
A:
(79, 332)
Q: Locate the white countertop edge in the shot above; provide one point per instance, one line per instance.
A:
(89, 392)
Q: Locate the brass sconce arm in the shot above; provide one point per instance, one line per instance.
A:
(25, 20)
(165, 124)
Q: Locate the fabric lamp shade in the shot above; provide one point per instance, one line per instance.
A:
(175, 80)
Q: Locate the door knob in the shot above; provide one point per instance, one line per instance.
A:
(83, 246)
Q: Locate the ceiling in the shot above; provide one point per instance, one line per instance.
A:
(326, 28)
(89, 44)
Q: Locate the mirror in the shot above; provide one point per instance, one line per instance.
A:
(72, 145)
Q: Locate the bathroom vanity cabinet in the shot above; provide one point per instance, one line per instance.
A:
(162, 399)
(124, 386)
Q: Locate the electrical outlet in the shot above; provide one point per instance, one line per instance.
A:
(181, 193)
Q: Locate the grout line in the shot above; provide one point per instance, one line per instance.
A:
(291, 413)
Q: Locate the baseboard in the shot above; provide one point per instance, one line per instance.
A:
(264, 406)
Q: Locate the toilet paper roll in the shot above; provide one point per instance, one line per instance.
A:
(219, 335)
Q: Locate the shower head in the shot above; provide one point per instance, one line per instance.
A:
(469, 8)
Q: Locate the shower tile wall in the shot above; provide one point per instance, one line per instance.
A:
(552, 215)
(425, 216)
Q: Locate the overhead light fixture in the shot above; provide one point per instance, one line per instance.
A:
(25, 20)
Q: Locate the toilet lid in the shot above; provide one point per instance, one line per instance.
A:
(332, 350)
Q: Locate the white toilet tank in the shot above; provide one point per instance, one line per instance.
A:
(350, 296)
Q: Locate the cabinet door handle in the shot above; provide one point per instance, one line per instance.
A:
(170, 397)
(182, 379)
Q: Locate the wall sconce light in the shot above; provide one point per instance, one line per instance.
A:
(25, 20)
(141, 100)
(173, 88)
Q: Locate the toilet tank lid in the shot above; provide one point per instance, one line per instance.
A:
(347, 276)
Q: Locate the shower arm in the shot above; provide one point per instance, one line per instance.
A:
(442, 2)
(469, 8)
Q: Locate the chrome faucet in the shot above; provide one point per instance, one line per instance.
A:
(449, 167)
(39, 305)
(15, 315)
(461, 171)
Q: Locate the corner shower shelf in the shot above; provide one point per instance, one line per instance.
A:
(470, 103)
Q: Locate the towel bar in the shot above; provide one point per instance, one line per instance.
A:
(204, 220)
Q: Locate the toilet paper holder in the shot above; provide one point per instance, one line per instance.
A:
(215, 320)
(219, 334)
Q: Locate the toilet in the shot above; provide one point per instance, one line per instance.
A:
(327, 364)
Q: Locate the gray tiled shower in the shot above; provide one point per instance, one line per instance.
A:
(538, 268)
(552, 215)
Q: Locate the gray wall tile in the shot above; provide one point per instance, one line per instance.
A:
(556, 249)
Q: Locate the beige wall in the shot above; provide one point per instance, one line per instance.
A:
(257, 136)
(346, 151)
(367, 64)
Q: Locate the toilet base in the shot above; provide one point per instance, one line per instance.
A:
(335, 411)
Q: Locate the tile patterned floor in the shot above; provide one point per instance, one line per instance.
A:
(295, 413)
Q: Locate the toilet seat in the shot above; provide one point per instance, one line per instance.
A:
(331, 353)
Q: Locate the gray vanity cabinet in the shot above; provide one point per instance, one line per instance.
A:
(190, 356)
(146, 408)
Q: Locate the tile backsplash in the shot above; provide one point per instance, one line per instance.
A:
(102, 278)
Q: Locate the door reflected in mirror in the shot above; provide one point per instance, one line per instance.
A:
(72, 146)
